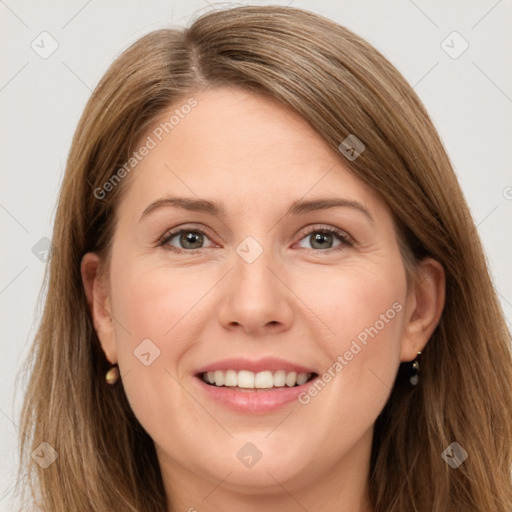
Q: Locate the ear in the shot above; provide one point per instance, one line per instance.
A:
(98, 300)
(424, 305)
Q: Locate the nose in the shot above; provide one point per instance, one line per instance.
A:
(256, 299)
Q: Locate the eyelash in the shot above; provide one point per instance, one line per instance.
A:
(342, 236)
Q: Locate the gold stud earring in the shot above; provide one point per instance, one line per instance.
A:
(112, 375)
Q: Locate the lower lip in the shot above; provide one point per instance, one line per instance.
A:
(253, 401)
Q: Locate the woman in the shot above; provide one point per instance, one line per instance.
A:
(258, 366)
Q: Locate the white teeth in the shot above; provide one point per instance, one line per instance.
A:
(260, 380)
(279, 379)
(291, 379)
(219, 378)
(230, 379)
(301, 379)
(245, 379)
(264, 380)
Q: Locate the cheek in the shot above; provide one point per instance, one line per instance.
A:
(157, 304)
(368, 314)
(359, 314)
(149, 308)
(157, 310)
(355, 303)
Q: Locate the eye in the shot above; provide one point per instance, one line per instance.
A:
(190, 240)
(323, 237)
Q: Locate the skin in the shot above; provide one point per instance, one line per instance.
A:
(298, 300)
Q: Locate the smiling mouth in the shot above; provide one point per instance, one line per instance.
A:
(245, 380)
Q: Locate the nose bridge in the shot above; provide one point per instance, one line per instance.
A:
(255, 296)
(253, 260)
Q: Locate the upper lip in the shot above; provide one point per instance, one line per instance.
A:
(259, 365)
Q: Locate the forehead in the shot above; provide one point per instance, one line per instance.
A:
(241, 147)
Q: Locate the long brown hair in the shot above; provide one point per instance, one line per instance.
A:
(341, 85)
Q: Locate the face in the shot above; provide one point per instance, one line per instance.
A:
(323, 289)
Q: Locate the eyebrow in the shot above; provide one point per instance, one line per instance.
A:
(299, 207)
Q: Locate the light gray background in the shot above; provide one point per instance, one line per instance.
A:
(468, 98)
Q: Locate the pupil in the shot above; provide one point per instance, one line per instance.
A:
(189, 238)
(321, 237)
